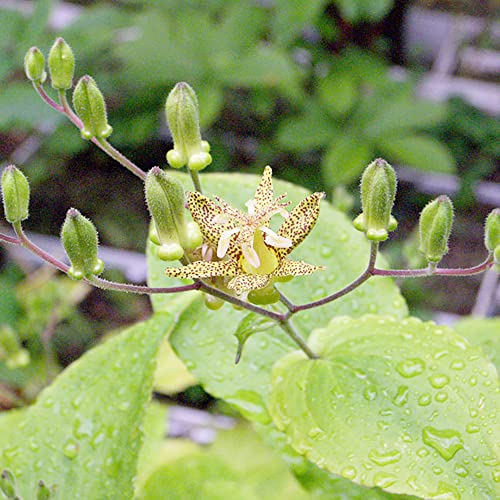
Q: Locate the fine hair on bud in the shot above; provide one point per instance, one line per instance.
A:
(61, 65)
(15, 194)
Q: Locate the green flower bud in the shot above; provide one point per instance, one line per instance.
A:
(61, 65)
(378, 190)
(79, 238)
(15, 194)
(90, 107)
(8, 484)
(166, 204)
(34, 65)
(492, 230)
(10, 349)
(435, 224)
(496, 259)
(212, 303)
(263, 296)
(43, 491)
(183, 120)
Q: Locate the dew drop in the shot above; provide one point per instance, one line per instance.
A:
(401, 397)
(34, 445)
(424, 399)
(438, 381)
(411, 367)
(437, 470)
(370, 393)
(441, 396)
(473, 381)
(457, 364)
(71, 448)
(472, 428)
(445, 441)
(82, 428)
(326, 251)
(384, 479)
(315, 432)
(461, 471)
(422, 452)
(496, 475)
(384, 457)
(349, 472)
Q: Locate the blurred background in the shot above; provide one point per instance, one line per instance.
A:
(315, 89)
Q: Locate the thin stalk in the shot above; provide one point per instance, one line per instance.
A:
(120, 158)
(365, 275)
(67, 109)
(195, 177)
(418, 273)
(9, 239)
(292, 333)
(130, 288)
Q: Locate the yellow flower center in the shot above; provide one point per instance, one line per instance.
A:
(267, 257)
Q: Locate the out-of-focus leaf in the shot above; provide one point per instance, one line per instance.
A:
(358, 11)
(345, 159)
(290, 18)
(338, 92)
(483, 332)
(311, 130)
(418, 151)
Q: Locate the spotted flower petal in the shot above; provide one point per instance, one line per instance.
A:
(300, 222)
(244, 282)
(295, 268)
(203, 269)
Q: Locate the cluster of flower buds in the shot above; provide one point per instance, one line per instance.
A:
(87, 98)
(183, 120)
(170, 229)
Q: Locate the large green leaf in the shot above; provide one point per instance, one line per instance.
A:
(419, 151)
(407, 406)
(345, 158)
(84, 433)
(204, 339)
(483, 332)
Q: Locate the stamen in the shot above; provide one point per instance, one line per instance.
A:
(224, 240)
(250, 204)
(251, 255)
(274, 239)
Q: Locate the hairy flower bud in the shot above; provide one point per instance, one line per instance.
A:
(378, 190)
(79, 238)
(165, 199)
(8, 484)
(34, 65)
(43, 491)
(183, 120)
(492, 230)
(15, 194)
(436, 220)
(90, 106)
(61, 65)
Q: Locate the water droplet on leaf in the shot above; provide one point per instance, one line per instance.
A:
(445, 441)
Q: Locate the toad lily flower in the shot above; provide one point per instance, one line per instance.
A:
(247, 249)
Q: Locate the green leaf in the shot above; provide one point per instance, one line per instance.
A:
(407, 406)
(357, 11)
(345, 159)
(398, 114)
(237, 465)
(338, 92)
(251, 324)
(482, 332)
(418, 151)
(204, 339)
(290, 18)
(84, 432)
(171, 374)
(311, 130)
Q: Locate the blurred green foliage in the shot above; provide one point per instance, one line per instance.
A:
(276, 83)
